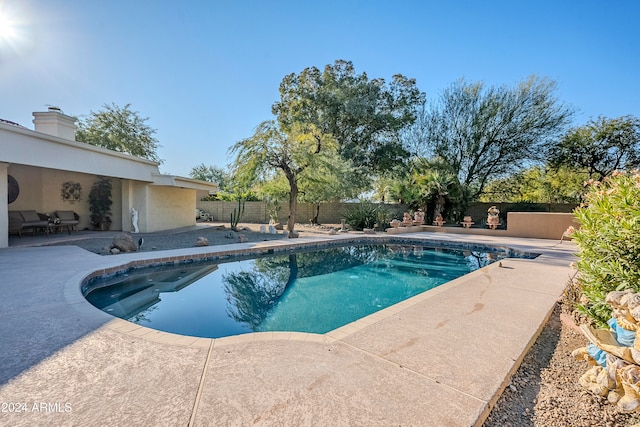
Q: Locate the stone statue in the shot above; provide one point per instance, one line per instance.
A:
(407, 220)
(493, 217)
(615, 353)
(418, 217)
(134, 220)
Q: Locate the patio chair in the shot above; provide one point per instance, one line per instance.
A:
(68, 219)
(34, 220)
(15, 223)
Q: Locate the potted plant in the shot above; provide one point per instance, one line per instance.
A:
(100, 203)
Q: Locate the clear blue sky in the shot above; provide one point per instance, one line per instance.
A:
(206, 73)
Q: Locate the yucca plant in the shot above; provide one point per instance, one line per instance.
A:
(366, 214)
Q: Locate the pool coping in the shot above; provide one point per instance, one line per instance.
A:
(75, 295)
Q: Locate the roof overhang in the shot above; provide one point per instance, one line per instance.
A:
(182, 182)
(19, 145)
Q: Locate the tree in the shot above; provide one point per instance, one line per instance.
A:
(601, 146)
(211, 173)
(336, 180)
(293, 153)
(436, 185)
(537, 185)
(364, 116)
(119, 129)
(430, 184)
(488, 133)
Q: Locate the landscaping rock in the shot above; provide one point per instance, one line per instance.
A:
(243, 238)
(124, 243)
(202, 241)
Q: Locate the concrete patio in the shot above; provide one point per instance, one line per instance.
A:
(441, 358)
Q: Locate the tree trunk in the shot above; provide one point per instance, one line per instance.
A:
(439, 208)
(314, 220)
(293, 204)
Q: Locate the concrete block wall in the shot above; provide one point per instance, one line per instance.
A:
(258, 212)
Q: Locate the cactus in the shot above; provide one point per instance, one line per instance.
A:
(237, 214)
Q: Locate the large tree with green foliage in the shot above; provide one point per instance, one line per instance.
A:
(601, 146)
(485, 133)
(321, 115)
(270, 149)
(119, 129)
(364, 116)
(211, 173)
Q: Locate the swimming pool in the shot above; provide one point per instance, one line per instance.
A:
(305, 291)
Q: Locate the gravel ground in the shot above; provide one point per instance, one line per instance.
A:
(543, 392)
(545, 389)
(216, 234)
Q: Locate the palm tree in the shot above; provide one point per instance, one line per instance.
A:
(436, 185)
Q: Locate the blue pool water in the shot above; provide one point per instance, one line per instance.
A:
(315, 291)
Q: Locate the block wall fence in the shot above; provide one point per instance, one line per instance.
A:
(332, 213)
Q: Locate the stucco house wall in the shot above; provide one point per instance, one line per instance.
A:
(170, 208)
(41, 161)
(41, 190)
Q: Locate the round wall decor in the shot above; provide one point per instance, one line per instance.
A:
(13, 188)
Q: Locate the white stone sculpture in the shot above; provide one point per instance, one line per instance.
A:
(134, 220)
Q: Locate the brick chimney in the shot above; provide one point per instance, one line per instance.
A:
(55, 122)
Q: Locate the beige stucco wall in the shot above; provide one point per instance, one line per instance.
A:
(172, 208)
(40, 190)
(534, 225)
(542, 225)
(134, 195)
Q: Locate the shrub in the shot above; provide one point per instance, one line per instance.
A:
(366, 214)
(609, 241)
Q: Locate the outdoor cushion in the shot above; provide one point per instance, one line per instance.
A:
(67, 217)
(33, 219)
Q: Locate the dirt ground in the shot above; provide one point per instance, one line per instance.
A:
(545, 389)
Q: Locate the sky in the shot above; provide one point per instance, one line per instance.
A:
(205, 73)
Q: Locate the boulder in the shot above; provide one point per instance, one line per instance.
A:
(243, 238)
(202, 241)
(124, 243)
(293, 234)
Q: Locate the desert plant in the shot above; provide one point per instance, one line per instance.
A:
(609, 241)
(100, 203)
(236, 215)
(274, 208)
(366, 214)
